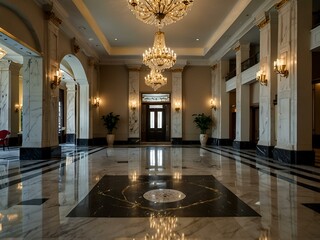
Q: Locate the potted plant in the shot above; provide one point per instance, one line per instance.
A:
(203, 122)
(110, 121)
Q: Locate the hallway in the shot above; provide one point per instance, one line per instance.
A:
(128, 192)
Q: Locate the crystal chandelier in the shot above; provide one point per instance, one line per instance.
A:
(160, 12)
(155, 79)
(159, 56)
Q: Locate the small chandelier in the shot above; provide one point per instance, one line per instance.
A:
(2, 53)
(159, 56)
(155, 79)
(160, 12)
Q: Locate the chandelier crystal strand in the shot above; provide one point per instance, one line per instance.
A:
(155, 79)
(160, 12)
(159, 56)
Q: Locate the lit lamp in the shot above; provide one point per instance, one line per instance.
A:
(213, 104)
(133, 105)
(96, 102)
(56, 80)
(279, 66)
(2, 53)
(177, 106)
(17, 107)
(261, 77)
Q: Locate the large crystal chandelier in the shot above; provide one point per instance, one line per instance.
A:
(160, 12)
(159, 57)
(155, 79)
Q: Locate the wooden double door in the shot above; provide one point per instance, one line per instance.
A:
(155, 122)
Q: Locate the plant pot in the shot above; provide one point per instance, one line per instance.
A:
(203, 139)
(110, 139)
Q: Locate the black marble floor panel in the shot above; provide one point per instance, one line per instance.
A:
(118, 196)
(36, 201)
(314, 206)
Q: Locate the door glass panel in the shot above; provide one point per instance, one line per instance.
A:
(159, 120)
(156, 106)
(151, 119)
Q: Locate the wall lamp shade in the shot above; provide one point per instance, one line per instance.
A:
(2, 53)
(96, 102)
(133, 105)
(56, 80)
(177, 106)
(213, 104)
(279, 66)
(17, 107)
(261, 77)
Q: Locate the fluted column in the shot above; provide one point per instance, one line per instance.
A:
(268, 25)
(242, 100)
(176, 102)
(134, 104)
(221, 115)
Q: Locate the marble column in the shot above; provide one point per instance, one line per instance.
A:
(83, 114)
(268, 25)
(71, 113)
(221, 115)
(134, 104)
(242, 101)
(294, 140)
(176, 102)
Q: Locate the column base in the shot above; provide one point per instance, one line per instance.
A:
(70, 138)
(221, 142)
(83, 142)
(294, 157)
(132, 141)
(176, 141)
(242, 145)
(28, 153)
(264, 151)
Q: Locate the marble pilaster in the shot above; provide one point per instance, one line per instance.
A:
(5, 101)
(71, 113)
(268, 25)
(83, 121)
(134, 104)
(242, 100)
(176, 100)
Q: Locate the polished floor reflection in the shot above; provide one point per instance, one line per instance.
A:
(144, 191)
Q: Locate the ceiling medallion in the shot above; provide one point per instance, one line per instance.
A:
(159, 57)
(160, 12)
(155, 79)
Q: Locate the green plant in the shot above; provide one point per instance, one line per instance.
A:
(203, 122)
(110, 121)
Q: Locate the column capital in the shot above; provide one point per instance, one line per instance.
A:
(50, 15)
(262, 20)
(134, 68)
(281, 4)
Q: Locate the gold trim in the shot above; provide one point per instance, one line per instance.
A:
(20, 42)
(263, 23)
(214, 67)
(177, 70)
(280, 4)
(51, 16)
(237, 48)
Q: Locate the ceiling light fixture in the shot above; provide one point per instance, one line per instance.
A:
(2, 53)
(155, 79)
(159, 57)
(160, 12)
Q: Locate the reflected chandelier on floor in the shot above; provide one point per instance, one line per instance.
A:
(160, 12)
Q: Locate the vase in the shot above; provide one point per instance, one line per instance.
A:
(110, 139)
(203, 139)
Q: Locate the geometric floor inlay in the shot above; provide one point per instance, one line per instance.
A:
(36, 201)
(314, 206)
(190, 196)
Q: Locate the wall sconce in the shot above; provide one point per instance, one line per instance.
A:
(261, 77)
(56, 80)
(177, 106)
(279, 66)
(133, 105)
(2, 53)
(96, 102)
(17, 107)
(213, 104)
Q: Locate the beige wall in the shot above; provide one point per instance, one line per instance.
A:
(196, 91)
(254, 93)
(113, 92)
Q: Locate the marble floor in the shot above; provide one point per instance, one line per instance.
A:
(157, 192)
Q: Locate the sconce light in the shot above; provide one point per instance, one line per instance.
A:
(2, 53)
(261, 77)
(279, 66)
(56, 79)
(96, 102)
(133, 105)
(213, 104)
(17, 107)
(177, 106)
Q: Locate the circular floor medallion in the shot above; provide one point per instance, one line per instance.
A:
(164, 195)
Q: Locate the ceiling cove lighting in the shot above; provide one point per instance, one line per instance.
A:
(155, 79)
(159, 57)
(160, 12)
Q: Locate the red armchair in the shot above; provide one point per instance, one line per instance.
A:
(4, 138)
